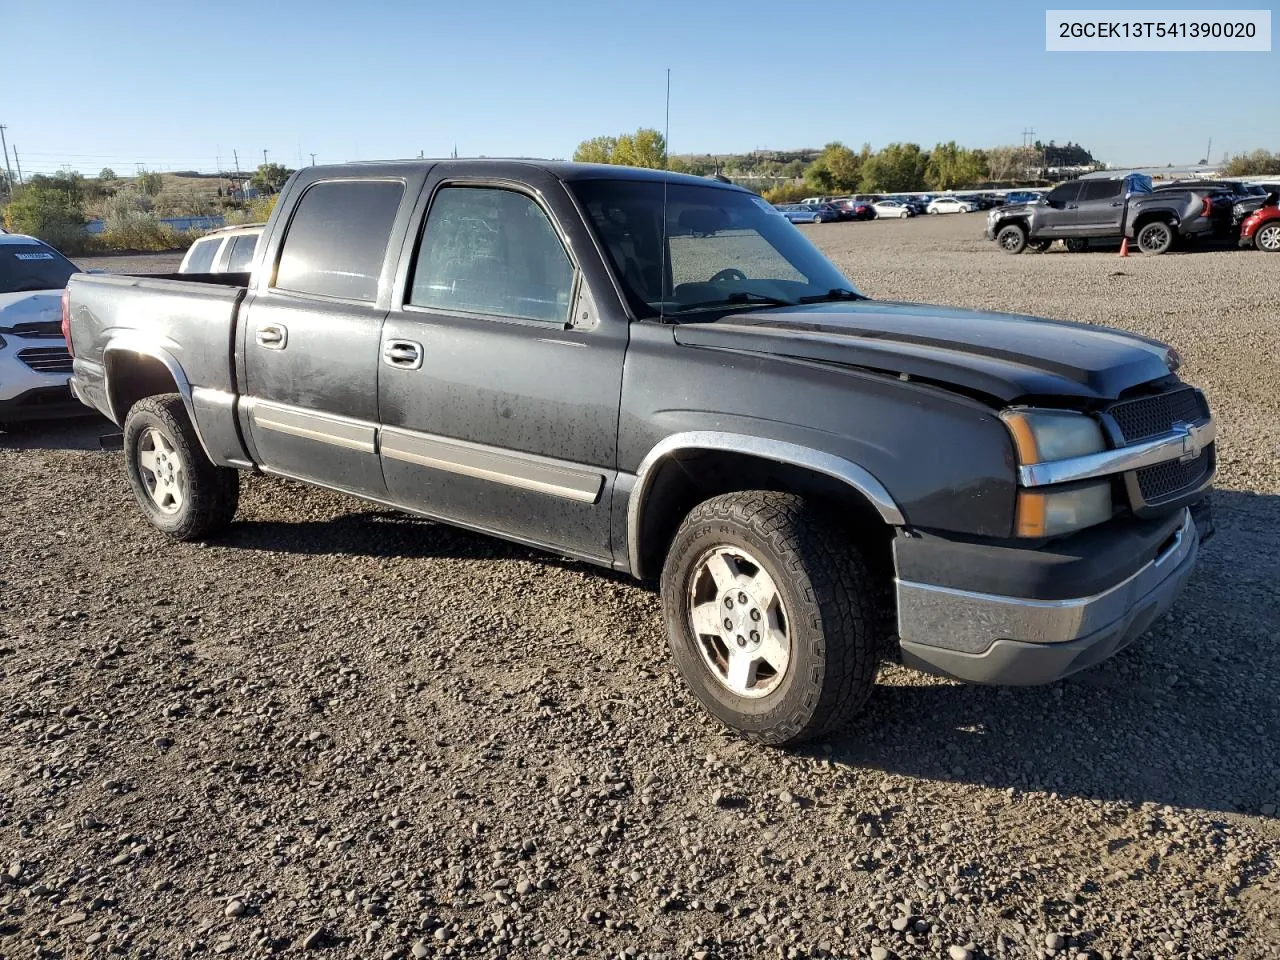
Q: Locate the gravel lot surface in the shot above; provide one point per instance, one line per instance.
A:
(350, 732)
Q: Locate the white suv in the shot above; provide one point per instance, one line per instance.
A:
(35, 366)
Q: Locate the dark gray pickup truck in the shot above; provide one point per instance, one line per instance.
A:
(1083, 211)
(659, 374)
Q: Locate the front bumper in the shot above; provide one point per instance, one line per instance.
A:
(997, 639)
(1245, 242)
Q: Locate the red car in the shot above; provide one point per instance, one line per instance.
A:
(1261, 228)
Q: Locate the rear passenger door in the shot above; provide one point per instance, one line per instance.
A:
(311, 331)
(1101, 207)
(1058, 218)
(500, 381)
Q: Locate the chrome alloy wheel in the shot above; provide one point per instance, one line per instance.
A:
(1268, 238)
(737, 616)
(162, 472)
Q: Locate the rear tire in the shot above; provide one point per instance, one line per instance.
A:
(776, 562)
(1040, 246)
(1267, 237)
(1155, 237)
(1076, 245)
(181, 492)
(1012, 238)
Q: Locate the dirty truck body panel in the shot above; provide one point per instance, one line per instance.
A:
(498, 345)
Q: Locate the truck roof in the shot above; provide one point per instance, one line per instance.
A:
(561, 169)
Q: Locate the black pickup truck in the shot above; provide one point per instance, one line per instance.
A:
(659, 374)
(1108, 210)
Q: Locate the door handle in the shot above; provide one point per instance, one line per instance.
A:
(272, 336)
(1118, 203)
(404, 354)
(1073, 206)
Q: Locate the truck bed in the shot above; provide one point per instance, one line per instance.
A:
(187, 318)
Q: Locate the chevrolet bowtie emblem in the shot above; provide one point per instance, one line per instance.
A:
(1194, 440)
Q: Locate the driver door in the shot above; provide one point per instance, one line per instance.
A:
(1060, 216)
(500, 382)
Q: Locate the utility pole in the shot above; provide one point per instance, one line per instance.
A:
(264, 155)
(8, 169)
(17, 163)
(313, 159)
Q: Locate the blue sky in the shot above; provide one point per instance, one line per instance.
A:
(180, 85)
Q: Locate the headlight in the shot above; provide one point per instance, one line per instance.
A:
(1043, 435)
(1051, 513)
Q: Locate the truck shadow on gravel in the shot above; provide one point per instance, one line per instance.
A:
(79, 433)
(1187, 715)
(389, 533)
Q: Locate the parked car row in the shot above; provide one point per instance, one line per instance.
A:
(1132, 208)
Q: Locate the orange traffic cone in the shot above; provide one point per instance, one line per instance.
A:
(1124, 247)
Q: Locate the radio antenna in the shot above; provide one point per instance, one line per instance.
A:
(666, 173)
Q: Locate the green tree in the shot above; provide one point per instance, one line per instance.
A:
(898, 167)
(149, 182)
(837, 169)
(950, 166)
(596, 150)
(106, 173)
(270, 177)
(50, 208)
(1258, 163)
(644, 148)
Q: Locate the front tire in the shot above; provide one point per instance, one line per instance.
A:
(181, 492)
(1012, 238)
(1267, 237)
(773, 616)
(1155, 238)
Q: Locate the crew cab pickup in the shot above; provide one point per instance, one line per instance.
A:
(1110, 210)
(659, 374)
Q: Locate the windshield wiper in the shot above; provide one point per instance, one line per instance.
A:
(735, 299)
(836, 293)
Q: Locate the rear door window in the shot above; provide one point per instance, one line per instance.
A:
(200, 259)
(1101, 190)
(242, 248)
(337, 239)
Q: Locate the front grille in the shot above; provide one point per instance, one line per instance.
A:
(46, 359)
(37, 329)
(1145, 417)
(1171, 479)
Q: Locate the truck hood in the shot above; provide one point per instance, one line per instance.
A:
(30, 312)
(1001, 355)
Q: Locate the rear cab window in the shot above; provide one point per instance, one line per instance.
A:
(201, 256)
(32, 265)
(242, 248)
(337, 238)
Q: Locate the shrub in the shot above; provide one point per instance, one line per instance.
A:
(133, 229)
(49, 211)
(255, 211)
(787, 193)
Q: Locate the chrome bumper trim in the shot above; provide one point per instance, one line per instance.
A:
(1185, 440)
(969, 623)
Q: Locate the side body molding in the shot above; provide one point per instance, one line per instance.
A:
(781, 451)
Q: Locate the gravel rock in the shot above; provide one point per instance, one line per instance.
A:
(483, 712)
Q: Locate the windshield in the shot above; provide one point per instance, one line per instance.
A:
(33, 266)
(725, 248)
